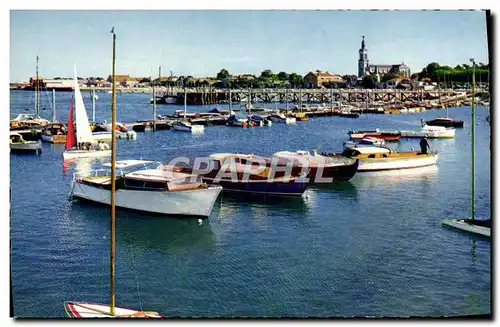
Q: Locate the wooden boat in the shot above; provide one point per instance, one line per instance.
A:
(322, 169)
(54, 133)
(237, 173)
(84, 145)
(149, 187)
(102, 132)
(380, 158)
(23, 121)
(18, 144)
(388, 136)
(435, 132)
(445, 122)
(99, 310)
(370, 140)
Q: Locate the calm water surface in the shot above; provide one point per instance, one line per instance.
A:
(371, 246)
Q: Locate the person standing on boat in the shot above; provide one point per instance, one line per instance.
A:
(424, 145)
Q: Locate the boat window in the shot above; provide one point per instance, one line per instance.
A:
(384, 155)
(133, 183)
(371, 156)
(154, 185)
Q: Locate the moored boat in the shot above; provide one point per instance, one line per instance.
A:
(149, 187)
(84, 145)
(381, 158)
(282, 119)
(23, 121)
(54, 133)
(323, 169)
(388, 136)
(445, 122)
(18, 144)
(185, 126)
(476, 226)
(436, 132)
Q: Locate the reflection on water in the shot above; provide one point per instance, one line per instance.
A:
(168, 234)
(399, 176)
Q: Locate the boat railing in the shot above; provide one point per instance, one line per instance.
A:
(100, 172)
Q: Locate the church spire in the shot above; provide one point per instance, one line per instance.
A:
(363, 43)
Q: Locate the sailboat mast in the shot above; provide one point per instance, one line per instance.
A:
(185, 102)
(93, 105)
(53, 104)
(36, 88)
(113, 184)
(473, 123)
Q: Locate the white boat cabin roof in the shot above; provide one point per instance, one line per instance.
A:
(222, 156)
(158, 175)
(128, 163)
(371, 149)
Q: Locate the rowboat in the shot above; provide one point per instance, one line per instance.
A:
(381, 158)
(476, 226)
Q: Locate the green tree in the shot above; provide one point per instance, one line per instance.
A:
(283, 76)
(295, 80)
(266, 73)
(223, 74)
(369, 82)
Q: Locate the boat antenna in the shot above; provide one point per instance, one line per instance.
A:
(473, 114)
(36, 89)
(113, 183)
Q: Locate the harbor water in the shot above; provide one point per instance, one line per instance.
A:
(372, 246)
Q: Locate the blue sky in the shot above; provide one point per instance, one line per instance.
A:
(200, 43)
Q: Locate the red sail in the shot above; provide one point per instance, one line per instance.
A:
(70, 138)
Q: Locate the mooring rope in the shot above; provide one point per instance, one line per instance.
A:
(136, 279)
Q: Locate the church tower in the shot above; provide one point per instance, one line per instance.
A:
(363, 59)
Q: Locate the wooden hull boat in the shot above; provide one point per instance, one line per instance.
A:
(158, 190)
(384, 135)
(322, 169)
(236, 173)
(379, 158)
(54, 133)
(481, 227)
(445, 122)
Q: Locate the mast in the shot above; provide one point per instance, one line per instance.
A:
(185, 102)
(36, 89)
(53, 104)
(113, 183)
(93, 105)
(473, 123)
(230, 100)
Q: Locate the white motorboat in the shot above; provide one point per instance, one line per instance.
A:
(437, 132)
(381, 158)
(154, 188)
(282, 119)
(84, 145)
(18, 144)
(185, 125)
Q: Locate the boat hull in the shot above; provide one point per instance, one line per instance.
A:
(56, 139)
(445, 134)
(188, 129)
(26, 147)
(69, 154)
(290, 188)
(99, 310)
(197, 202)
(436, 122)
(106, 136)
(389, 137)
(391, 164)
(465, 226)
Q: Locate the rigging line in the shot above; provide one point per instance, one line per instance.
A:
(136, 279)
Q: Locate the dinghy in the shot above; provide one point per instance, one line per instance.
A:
(18, 144)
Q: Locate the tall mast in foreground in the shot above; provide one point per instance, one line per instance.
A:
(113, 183)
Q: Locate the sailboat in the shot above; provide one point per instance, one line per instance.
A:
(82, 146)
(445, 121)
(99, 310)
(185, 125)
(472, 225)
